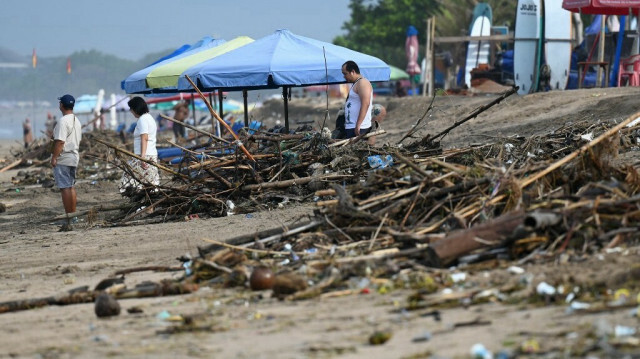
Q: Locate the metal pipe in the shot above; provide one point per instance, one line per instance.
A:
(246, 112)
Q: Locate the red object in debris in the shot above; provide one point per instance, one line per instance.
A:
(365, 291)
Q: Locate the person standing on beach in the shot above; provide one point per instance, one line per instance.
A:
(65, 157)
(144, 145)
(27, 133)
(49, 125)
(358, 104)
(181, 114)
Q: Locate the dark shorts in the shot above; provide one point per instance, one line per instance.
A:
(351, 132)
(179, 130)
(65, 176)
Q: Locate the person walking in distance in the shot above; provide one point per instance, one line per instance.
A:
(65, 157)
(27, 133)
(358, 104)
(181, 114)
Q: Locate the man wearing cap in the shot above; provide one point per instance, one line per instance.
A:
(65, 157)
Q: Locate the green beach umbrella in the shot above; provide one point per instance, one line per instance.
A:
(397, 74)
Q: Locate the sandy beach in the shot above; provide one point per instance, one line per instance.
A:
(38, 261)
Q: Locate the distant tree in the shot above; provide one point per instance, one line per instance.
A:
(378, 28)
(90, 71)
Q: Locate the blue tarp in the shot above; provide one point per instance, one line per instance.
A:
(180, 159)
(281, 59)
(136, 82)
(589, 81)
(594, 28)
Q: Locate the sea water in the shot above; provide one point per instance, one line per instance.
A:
(12, 115)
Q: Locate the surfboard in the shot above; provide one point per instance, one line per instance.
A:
(527, 45)
(478, 51)
(558, 31)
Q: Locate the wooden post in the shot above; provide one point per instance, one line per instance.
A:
(603, 18)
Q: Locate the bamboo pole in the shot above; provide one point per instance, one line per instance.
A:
(141, 159)
(579, 151)
(10, 166)
(291, 182)
(475, 113)
(348, 140)
(214, 114)
(146, 210)
(474, 208)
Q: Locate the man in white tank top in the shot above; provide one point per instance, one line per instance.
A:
(357, 107)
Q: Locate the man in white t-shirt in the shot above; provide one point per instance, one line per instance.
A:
(65, 157)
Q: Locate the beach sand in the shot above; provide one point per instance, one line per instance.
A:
(38, 261)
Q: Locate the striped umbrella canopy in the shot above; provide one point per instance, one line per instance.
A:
(163, 76)
(183, 51)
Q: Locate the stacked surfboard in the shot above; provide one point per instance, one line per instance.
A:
(478, 51)
(557, 43)
(542, 37)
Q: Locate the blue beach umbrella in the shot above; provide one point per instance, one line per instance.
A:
(281, 59)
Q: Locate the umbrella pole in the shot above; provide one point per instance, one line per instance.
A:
(215, 104)
(603, 18)
(286, 109)
(246, 113)
(193, 109)
(213, 125)
(214, 114)
(220, 109)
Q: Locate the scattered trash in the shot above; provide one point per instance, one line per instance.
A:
(423, 337)
(106, 306)
(261, 278)
(478, 351)
(624, 331)
(379, 162)
(545, 289)
(380, 337)
(515, 270)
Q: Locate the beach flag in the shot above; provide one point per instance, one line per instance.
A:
(68, 65)
(34, 59)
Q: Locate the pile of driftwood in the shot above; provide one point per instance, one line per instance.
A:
(530, 200)
(517, 198)
(392, 217)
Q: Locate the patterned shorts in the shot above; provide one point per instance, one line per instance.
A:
(148, 176)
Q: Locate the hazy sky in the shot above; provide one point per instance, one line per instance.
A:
(133, 28)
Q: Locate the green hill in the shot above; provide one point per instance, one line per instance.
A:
(90, 71)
